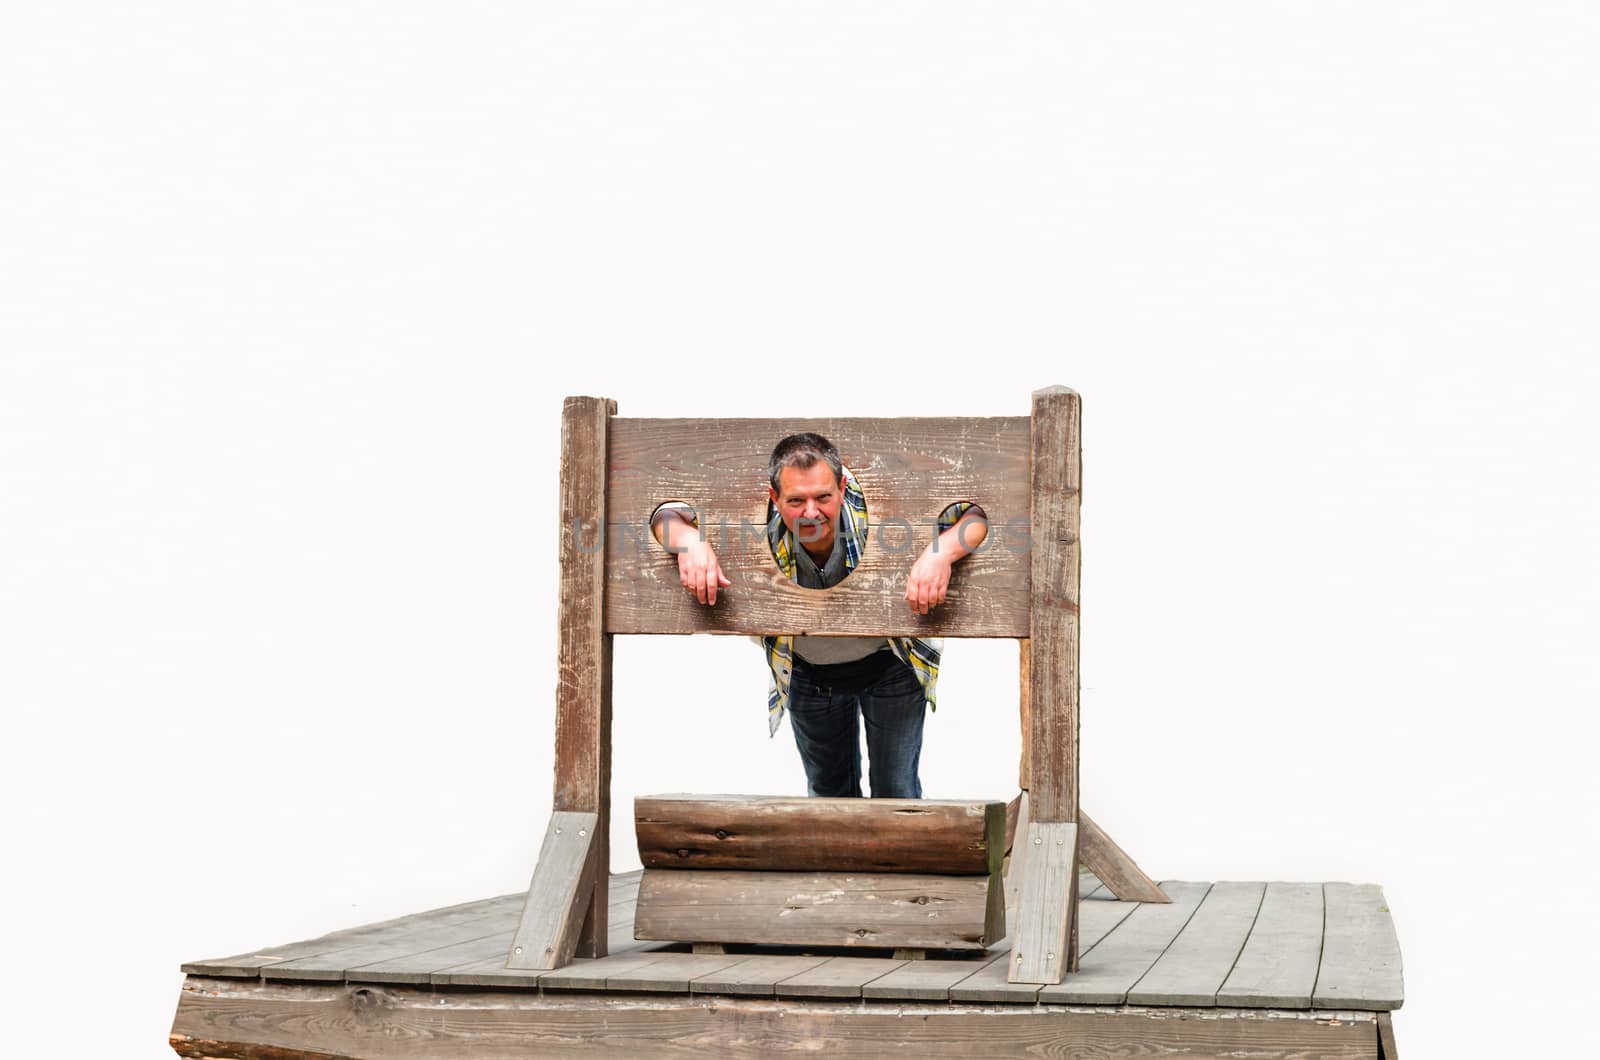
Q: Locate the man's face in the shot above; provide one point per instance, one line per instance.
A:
(808, 501)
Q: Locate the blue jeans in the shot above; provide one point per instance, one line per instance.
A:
(828, 733)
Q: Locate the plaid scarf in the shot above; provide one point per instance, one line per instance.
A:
(920, 653)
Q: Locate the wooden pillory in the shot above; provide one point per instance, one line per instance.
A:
(750, 857)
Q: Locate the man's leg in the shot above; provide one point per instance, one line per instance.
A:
(827, 730)
(894, 709)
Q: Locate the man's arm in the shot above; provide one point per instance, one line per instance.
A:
(929, 579)
(698, 570)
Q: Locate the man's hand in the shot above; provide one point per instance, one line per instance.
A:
(930, 574)
(699, 571)
(929, 578)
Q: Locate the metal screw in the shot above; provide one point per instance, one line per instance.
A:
(1019, 958)
(582, 832)
(518, 949)
(1037, 840)
(558, 831)
(1049, 956)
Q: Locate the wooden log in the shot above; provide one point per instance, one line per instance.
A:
(560, 895)
(890, 910)
(583, 648)
(821, 835)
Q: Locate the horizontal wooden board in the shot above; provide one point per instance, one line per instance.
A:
(1278, 965)
(909, 469)
(817, 909)
(223, 1018)
(1360, 965)
(461, 946)
(814, 834)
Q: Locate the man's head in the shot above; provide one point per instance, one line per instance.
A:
(807, 488)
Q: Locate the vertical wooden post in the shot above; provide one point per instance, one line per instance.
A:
(583, 706)
(1025, 765)
(1045, 944)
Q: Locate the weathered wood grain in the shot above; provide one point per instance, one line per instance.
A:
(1047, 905)
(1360, 965)
(818, 909)
(925, 980)
(670, 973)
(1024, 715)
(419, 968)
(1109, 970)
(229, 1018)
(563, 893)
(910, 469)
(837, 977)
(248, 965)
(583, 648)
(1197, 962)
(1278, 966)
(1112, 866)
(1055, 561)
(330, 962)
(1387, 1050)
(756, 976)
(816, 834)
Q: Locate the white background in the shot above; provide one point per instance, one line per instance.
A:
(291, 297)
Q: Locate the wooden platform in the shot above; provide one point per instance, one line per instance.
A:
(1278, 969)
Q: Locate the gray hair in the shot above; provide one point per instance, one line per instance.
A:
(803, 451)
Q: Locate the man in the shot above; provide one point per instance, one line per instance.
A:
(830, 685)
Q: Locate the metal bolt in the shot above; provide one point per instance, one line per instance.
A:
(1037, 840)
(1019, 958)
(558, 831)
(582, 832)
(518, 949)
(1049, 956)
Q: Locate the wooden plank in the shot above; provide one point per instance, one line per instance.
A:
(818, 909)
(1193, 968)
(1387, 1050)
(816, 834)
(420, 967)
(248, 965)
(228, 1018)
(1098, 918)
(583, 656)
(1095, 919)
(596, 974)
(562, 892)
(1278, 966)
(334, 965)
(910, 469)
(1112, 866)
(754, 976)
(1047, 905)
(1016, 861)
(837, 977)
(924, 980)
(1025, 694)
(671, 972)
(1360, 965)
(1110, 969)
(1057, 475)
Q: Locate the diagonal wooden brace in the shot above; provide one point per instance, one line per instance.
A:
(559, 895)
